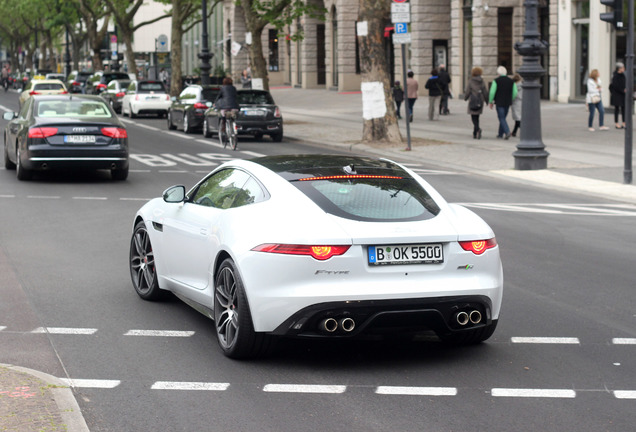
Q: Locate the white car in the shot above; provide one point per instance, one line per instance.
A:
(319, 246)
(145, 97)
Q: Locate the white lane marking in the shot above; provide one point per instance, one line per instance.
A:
(42, 197)
(165, 333)
(152, 128)
(587, 208)
(139, 171)
(304, 388)
(179, 135)
(536, 393)
(251, 153)
(417, 391)
(173, 171)
(123, 120)
(510, 207)
(135, 199)
(2, 327)
(545, 340)
(625, 394)
(176, 385)
(65, 330)
(7, 196)
(435, 172)
(91, 198)
(90, 383)
(624, 341)
(561, 209)
(189, 159)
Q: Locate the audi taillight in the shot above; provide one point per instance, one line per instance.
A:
(319, 252)
(42, 132)
(115, 132)
(478, 247)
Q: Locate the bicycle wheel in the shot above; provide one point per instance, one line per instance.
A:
(222, 137)
(231, 133)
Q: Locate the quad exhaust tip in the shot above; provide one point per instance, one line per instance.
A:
(347, 324)
(329, 325)
(462, 318)
(475, 317)
(472, 317)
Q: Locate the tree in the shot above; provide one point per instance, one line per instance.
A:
(278, 13)
(92, 11)
(124, 13)
(380, 122)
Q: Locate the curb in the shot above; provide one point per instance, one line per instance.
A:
(62, 394)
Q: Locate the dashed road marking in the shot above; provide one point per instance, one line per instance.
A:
(2, 327)
(176, 385)
(91, 198)
(624, 341)
(304, 388)
(251, 153)
(545, 340)
(43, 197)
(135, 199)
(625, 394)
(416, 391)
(178, 135)
(560, 209)
(163, 333)
(532, 393)
(90, 383)
(65, 330)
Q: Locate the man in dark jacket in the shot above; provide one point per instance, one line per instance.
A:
(503, 91)
(434, 94)
(444, 80)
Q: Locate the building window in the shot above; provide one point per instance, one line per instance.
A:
(504, 27)
(273, 50)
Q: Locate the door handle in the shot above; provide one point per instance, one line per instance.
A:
(203, 231)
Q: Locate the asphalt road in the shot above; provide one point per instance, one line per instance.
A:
(563, 356)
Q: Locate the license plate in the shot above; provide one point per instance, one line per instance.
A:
(253, 112)
(406, 254)
(79, 139)
(152, 97)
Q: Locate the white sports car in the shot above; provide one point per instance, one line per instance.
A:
(319, 246)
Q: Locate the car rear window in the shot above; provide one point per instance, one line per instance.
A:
(255, 98)
(150, 87)
(48, 86)
(370, 197)
(72, 108)
(210, 94)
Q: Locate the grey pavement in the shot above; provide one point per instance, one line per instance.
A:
(580, 161)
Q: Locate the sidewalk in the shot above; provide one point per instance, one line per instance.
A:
(34, 401)
(580, 161)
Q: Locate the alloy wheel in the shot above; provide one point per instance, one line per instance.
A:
(226, 308)
(142, 262)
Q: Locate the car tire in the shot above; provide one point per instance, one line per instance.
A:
(7, 162)
(233, 319)
(277, 137)
(132, 114)
(258, 137)
(119, 174)
(186, 124)
(21, 172)
(206, 128)
(471, 336)
(142, 265)
(169, 121)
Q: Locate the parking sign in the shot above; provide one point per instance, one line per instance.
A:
(401, 28)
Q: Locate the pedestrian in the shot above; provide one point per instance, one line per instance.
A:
(163, 77)
(435, 92)
(445, 80)
(503, 91)
(617, 94)
(594, 101)
(246, 79)
(412, 87)
(398, 97)
(476, 94)
(516, 104)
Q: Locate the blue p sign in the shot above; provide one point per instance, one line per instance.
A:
(401, 28)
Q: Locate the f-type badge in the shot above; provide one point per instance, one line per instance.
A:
(465, 267)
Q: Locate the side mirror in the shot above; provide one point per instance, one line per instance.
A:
(174, 194)
(9, 115)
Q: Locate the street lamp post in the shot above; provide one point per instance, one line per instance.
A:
(205, 54)
(531, 154)
(67, 57)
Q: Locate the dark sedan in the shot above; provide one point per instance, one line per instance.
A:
(114, 93)
(77, 82)
(258, 116)
(187, 111)
(65, 132)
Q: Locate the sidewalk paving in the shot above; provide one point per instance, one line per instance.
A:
(580, 161)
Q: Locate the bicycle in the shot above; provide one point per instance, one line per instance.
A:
(227, 129)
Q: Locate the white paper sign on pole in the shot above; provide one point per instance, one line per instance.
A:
(373, 101)
(362, 28)
(257, 84)
(236, 47)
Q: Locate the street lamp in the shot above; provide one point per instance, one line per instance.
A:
(205, 54)
(67, 58)
(531, 154)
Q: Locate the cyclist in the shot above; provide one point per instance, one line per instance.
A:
(227, 100)
(5, 77)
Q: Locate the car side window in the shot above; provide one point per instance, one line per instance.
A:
(251, 193)
(112, 85)
(222, 189)
(131, 88)
(188, 94)
(25, 108)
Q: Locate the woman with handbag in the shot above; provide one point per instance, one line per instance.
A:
(593, 101)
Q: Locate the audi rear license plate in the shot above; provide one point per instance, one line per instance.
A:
(79, 139)
(406, 254)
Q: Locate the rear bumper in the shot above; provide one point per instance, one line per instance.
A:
(150, 107)
(260, 127)
(81, 158)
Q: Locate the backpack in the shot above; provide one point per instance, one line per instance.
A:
(476, 102)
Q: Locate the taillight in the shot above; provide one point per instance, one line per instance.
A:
(33, 92)
(101, 85)
(42, 132)
(120, 95)
(75, 83)
(200, 105)
(137, 97)
(277, 112)
(64, 92)
(478, 247)
(167, 97)
(115, 132)
(320, 253)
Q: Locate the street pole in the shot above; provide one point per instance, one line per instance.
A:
(531, 154)
(629, 100)
(67, 57)
(406, 100)
(205, 54)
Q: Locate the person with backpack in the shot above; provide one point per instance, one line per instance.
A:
(435, 92)
(476, 94)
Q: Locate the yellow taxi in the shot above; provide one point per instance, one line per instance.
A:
(44, 86)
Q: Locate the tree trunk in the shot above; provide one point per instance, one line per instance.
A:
(259, 66)
(380, 122)
(175, 49)
(130, 55)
